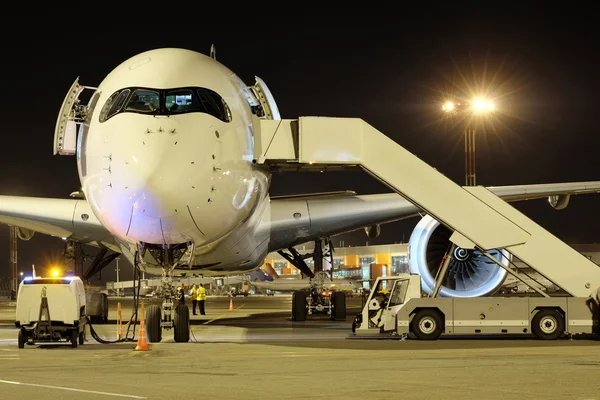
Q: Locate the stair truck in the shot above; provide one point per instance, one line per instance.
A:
(404, 311)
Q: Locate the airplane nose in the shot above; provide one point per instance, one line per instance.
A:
(170, 180)
(152, 172)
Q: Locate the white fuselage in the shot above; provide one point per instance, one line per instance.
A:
(165, 177)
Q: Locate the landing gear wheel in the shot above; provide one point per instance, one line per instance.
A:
(21, 340)
(153, 329)
(548, 324)
(427, 325)
(338, 301)
(182, 324)
(74, 337)
(81, 337)
(299, 306)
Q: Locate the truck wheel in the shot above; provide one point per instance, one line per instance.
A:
(427, 325)
(182, 324)
(299, 306)
(548, 324)
(153, 330)
(21, 339)
(74, 335)
(338, 301)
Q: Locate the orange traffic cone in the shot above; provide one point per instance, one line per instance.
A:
(142, 343)
(230, 304)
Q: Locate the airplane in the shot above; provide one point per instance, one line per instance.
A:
(273, 282)
(164, 152)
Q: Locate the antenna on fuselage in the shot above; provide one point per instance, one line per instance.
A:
(213, 52)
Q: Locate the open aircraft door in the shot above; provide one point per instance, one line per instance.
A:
(72, 114)
(265, 98)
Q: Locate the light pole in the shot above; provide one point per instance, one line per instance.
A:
(467, 112)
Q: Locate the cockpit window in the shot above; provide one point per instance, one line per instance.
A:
(166, 102)
(114, 104)
(181, 101)
(144, 101)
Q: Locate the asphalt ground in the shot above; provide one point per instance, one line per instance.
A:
(257, 352)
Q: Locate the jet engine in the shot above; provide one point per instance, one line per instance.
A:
(373, 231)
(470, 273)
(560, 201)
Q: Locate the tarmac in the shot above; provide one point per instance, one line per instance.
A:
(257, 352)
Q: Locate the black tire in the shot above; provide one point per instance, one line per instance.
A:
(74, 337)
(338, 302)
(299, 306)
(182, 324)
(427, 325)
(21, 339)
(81, 337)
(153, 329)
(548, 324)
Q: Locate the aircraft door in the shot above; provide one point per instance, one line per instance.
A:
(265, 98)
(71, 114)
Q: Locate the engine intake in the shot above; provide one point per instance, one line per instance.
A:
(470, 273)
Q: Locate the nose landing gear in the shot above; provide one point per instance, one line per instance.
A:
(173, 316)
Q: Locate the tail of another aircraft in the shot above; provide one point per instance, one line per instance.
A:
(268, 268)
(259, 275)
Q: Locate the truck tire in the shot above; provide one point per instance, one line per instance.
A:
(21, 339)
(299, 306)
(181, 323)
(427, 324)
(548, 324)
(153, 329)
(338, 302)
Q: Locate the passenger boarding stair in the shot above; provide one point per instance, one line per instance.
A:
(479, 218)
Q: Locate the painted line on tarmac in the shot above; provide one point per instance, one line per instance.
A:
(222, 315)
(72, 389)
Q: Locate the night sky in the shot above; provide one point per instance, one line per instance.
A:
(540, 67)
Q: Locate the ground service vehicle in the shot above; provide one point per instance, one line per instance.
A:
(51, 310)
(404, 311)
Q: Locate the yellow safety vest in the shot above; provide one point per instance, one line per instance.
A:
(201, 293)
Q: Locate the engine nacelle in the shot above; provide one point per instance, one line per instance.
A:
(470, 273)
(560, 201)
(373, 231)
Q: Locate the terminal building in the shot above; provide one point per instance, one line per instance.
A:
(364, 263)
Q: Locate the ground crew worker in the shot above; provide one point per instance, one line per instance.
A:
(201, 298)
(596, 297)
(595, 308)
(181, 294)
(194, 294)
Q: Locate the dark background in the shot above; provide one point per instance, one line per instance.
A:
(539, 64)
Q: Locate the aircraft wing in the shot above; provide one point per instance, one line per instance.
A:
(68, 218)
(297, 219)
